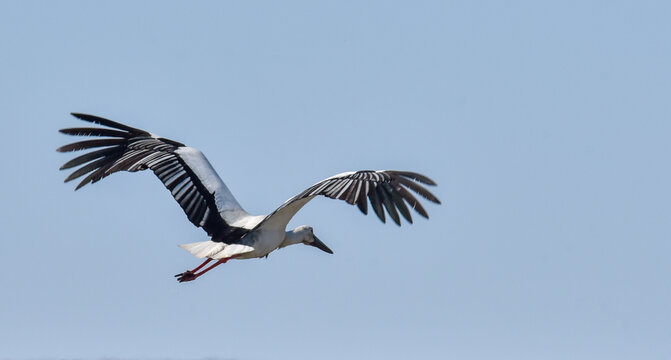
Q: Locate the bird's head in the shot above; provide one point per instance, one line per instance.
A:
(308, 237)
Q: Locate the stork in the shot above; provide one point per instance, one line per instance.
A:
(209, 204)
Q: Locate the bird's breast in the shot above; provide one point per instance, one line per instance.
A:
(263, 241)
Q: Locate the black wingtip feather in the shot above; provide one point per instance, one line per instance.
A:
(419, 189)
(412, 201)
(93, 177)
(375, 202)
(417, 177)
(91, 131)
(386, 201)
(362, 202)
(398, 201)
(107, 122)
(89, 156)
(87, 144)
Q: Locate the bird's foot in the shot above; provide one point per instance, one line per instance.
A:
(186, 276)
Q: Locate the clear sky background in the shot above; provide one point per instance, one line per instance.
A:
(545, 124)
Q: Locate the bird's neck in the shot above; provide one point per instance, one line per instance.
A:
(292, 237)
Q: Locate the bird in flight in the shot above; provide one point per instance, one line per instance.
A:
(209, 204)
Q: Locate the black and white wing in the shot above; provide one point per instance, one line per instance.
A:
(185, 171)
(384, 189)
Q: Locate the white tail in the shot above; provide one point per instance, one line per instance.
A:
(215, 250)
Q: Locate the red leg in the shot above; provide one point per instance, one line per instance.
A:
(190, 275)
(201, 265)
(222, 261)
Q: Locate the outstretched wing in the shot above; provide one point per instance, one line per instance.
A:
(385, 189)
(185, 171)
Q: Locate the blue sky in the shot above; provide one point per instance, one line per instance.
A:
(546, 126)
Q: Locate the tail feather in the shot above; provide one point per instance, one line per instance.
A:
(215, 250)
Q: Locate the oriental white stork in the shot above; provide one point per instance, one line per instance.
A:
(208, 203)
